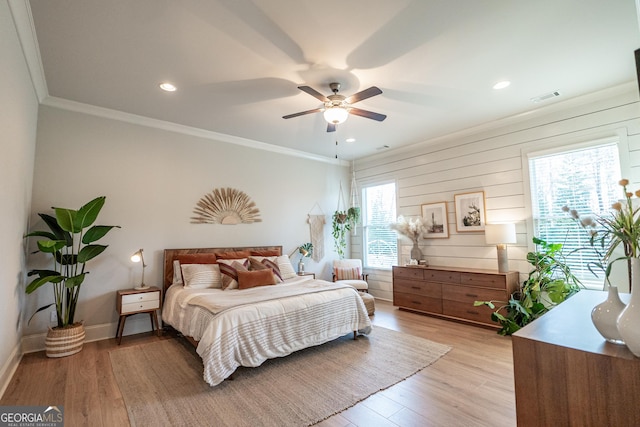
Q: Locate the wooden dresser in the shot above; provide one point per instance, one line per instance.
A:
(450, 292)
(566, 374)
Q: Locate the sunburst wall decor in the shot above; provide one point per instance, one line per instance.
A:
(225, 206)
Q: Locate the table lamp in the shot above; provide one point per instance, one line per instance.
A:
(500, 235)
(138, 257)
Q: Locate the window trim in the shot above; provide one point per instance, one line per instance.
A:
(565, 144)
(363, 188)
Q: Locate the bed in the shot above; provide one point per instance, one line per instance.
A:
(247, 323)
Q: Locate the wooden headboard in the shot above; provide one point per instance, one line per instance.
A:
(171, 254)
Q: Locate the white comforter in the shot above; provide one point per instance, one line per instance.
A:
(246, 327)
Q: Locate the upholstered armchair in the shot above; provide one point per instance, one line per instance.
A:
(349, 272)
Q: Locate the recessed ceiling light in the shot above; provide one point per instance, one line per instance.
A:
(167, 87)
(350, 140)
(502, 84)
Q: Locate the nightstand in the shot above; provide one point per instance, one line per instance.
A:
(136, 301)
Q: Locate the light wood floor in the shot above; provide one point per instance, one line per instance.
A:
(472, 385)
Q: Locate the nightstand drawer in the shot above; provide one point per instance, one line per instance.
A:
(140, 297)
(132, 307)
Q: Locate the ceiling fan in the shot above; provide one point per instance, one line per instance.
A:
(338, 107)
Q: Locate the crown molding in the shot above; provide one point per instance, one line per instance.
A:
(496, 126)
(108, 113)
(23, 21)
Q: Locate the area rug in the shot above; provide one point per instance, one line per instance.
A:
(162, 383)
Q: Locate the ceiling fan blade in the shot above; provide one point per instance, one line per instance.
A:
(368, 114)
(302, 113)
(311, 91)
(331, 127)
(367, 93)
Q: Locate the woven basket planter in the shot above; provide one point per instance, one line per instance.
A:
(61, 342)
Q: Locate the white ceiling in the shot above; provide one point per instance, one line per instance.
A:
(237, 63)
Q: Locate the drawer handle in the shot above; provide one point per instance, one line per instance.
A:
(472, 312)
(416, 302)
(416, 287)
(471, 295)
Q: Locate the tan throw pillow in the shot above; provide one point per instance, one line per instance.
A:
(347, 273)
(252, 279)
(229, 270)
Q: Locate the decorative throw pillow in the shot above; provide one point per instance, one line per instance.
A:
(229, 270)
(201, 276)
(252, 279)
(347, 273)
(233, 255)
(177, 273)
(285, 267)
(189, 259)
(265, 264)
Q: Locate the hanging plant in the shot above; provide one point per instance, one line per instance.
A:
(340, 227)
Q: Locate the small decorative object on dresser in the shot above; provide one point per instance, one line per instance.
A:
(451, 292)
(412, 229)
(136, 301)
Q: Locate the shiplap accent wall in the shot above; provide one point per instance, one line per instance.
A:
(494, 161)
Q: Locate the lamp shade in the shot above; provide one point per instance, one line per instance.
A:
(500, 233)
(335, 114)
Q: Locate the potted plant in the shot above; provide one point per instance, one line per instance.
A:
(343, 222)
(549, 283)
(71, 242)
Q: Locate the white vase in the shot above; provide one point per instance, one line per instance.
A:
(605, 316)
(629, 319)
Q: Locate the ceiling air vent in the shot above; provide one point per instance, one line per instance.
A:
(545, 96)
(384, 147)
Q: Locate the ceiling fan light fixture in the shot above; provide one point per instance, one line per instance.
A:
(336, 114)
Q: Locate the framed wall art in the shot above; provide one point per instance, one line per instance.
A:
(434, 217)
(470, 211)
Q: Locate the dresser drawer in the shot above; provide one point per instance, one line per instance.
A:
(415, 287)
(408, 272)
(418, 302)
(442, 276)
(469, 294)
(140, 306)
(464, 310)
(485, 280)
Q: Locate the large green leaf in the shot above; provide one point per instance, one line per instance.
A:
(53, 225)
(47, 234)
(88, 213)
(90, 252)
(39, 310)
(39, 281)
(74, 281)
(51, 246)
(66, 219)
(44, 273)
(96, 232)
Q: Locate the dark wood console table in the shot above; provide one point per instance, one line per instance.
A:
(566, 374)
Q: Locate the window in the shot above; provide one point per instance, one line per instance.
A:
(380, 242)
(585, 179)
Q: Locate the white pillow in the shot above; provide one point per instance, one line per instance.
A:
(286, 269)
(177, 273)
(201, 276)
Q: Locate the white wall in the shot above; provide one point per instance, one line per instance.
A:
(18, 119)
(491, 160)
(152, 180)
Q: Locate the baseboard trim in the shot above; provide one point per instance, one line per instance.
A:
(9, 369)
